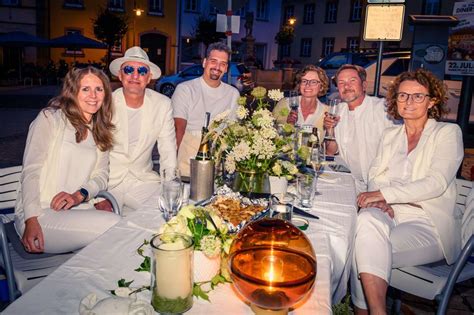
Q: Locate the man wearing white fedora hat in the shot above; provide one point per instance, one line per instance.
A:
(193, 98)
(142, 118)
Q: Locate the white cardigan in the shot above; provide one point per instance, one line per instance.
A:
(433, 179)
(157, 125)
(39, 178)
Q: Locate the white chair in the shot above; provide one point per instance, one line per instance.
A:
(24, 270)
(435, 281)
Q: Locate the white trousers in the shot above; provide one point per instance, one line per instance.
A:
(382, 243)
(133, 194)
(70, 230)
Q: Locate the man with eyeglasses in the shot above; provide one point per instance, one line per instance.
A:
(142, 118)
(193, 98)
(359, 126)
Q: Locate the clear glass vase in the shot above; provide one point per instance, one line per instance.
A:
(251, 181)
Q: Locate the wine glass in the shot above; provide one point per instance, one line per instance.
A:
(333, 113)
(294, 100)
(171, 196)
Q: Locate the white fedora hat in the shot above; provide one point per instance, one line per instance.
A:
(136, 54)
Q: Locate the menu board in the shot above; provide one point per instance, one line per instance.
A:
(384, 22)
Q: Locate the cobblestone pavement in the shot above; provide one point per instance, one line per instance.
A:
(12, 143)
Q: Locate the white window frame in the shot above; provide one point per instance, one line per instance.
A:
(331, 12)
(308, 13)
(191, 6)
(356, 10)
(328, 45)
(155, 7)
(306, 47)
(262, 10)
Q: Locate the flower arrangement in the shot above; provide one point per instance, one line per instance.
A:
(251, 142)
(205, 226)
(211, 237)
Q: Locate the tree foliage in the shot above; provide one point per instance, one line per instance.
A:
(205, 31)
(110, 28)
(285, 36)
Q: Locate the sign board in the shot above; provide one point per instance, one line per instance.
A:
(385, 1)
(384, 22)
(221, 23)
(460, 59)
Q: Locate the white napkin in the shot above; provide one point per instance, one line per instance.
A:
(114, 305)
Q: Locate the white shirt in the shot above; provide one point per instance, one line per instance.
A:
(134, 123)
(192, 99)
(358, 139)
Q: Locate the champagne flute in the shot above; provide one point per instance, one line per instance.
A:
(294, 100)
(333, 113)
(171, 196)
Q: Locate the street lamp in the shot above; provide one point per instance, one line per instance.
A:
(292, 21)
(138, 12)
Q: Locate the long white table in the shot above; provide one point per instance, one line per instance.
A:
(98, 267)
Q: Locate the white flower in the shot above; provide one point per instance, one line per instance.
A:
(177, 224)
(290, 167)
(211, 246)
(276, 169)
(269, 133)
(220, 117)
(275, 94)
(187, 212)
(230, 163)
(241, 151)
(241, 112)
(263, 118)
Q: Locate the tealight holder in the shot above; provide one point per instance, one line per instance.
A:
(272, 265)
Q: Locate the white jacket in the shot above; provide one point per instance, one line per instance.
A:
(433, 184)
(157, 126)
(40, 175)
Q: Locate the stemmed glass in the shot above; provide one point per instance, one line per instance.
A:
(333, 113)
(171, 196)
(294, 103)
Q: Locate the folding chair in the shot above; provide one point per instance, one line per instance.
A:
(24, 270)
(436, 281)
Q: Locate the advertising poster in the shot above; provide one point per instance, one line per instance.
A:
(460, 59)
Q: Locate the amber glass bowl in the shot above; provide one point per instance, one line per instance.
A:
(272, 264)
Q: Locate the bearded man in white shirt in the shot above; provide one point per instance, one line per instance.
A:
(193, 98)
(143, 119)
(359, 126)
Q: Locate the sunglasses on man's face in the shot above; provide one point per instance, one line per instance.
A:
(142, 70)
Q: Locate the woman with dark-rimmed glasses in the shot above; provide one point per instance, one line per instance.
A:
(408, 216)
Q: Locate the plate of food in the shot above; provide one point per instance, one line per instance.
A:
(236, 210)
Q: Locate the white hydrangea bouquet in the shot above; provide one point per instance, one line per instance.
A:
(250, 141)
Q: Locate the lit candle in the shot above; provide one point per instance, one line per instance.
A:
(173, 271)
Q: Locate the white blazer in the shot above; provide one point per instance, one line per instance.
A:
(157, 126)
(433, 180)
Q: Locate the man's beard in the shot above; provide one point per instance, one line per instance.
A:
(216, 75)
(351, 97)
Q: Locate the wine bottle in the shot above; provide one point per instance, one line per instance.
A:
(204, 152)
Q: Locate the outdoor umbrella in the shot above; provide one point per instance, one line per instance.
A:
(20, 40)
(76, 40)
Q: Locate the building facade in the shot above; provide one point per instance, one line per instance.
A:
(323, 27)
(266, 18)
(151, 25)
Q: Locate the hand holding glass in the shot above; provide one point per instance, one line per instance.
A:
(171, 196)
(333, 113)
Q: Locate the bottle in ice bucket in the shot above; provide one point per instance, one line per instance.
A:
(313, 144)
(204, 153)
(202, 168)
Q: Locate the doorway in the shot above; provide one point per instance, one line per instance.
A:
(155, 46)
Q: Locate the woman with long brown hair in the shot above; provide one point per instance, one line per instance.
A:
(65, 164)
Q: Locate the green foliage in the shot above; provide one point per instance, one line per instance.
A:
(285, 36)
(110, 28)
(205, 30)
(171, 306)
(343, 308)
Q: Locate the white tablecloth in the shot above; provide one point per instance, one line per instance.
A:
(98, 267)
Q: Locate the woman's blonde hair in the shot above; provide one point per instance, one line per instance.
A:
(67, 101)
(323, 78)
(436, 90)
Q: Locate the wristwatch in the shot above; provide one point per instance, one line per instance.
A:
(84, 193)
